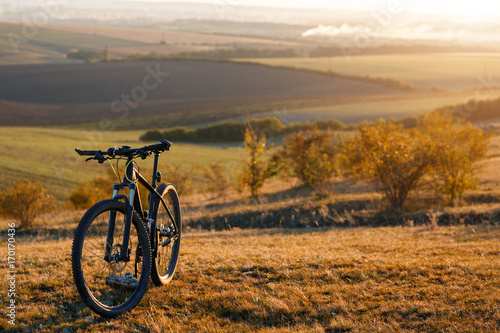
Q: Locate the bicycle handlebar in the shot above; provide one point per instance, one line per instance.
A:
(126, 151)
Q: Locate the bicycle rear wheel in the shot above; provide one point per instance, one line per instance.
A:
(166, 253)
(110, 287)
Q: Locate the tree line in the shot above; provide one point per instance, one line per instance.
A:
(232, 131)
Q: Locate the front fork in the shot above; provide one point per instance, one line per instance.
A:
(124, 253)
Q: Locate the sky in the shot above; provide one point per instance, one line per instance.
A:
(466, 8)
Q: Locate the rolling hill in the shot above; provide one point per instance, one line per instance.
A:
(58, 94)
(453, 71)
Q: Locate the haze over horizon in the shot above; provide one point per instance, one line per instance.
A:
(477, 9)
(388, 21)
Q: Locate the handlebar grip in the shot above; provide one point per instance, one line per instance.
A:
(162, 145)
(86, 152)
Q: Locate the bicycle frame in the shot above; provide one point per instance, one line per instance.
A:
(133, 203)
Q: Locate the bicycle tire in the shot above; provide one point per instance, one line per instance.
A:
(165, 258)
(110, 288)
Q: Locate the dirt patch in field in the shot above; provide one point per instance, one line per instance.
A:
(343, 214)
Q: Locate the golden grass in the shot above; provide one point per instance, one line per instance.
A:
(311, 280)
(448, 71)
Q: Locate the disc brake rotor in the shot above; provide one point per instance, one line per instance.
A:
(117, 266)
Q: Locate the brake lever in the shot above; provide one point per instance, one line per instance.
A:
(145, 154)
(97, 157)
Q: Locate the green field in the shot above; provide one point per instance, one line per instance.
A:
(445, 71)
(48, 155)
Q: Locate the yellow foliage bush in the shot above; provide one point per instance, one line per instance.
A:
(25, 201)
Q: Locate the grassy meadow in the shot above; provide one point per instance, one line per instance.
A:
(48, 154)
(390, 279)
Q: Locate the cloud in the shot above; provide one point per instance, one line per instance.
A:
(429, 31)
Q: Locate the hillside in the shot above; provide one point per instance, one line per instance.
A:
(52, 42)
(83, 93)
(452, 71)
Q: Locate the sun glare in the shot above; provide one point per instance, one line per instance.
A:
(476, 9)
(466, 9)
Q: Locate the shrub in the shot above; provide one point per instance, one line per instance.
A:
(312, 156)
(152, 135)
(396, 159)
(25, 201)
(82, 197)
(223, 132)
(254, 172)
(272, 124)
(459, 146)
(178, 134)
(331, 124)
(218, 181)
(179, 177)
(87, 194)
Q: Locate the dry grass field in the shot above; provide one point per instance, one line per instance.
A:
(422, 278)
(400, 279)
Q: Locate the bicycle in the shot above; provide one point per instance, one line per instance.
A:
(117, 245)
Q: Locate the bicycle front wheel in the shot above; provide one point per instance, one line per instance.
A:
(168, 235)
(107, 284)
